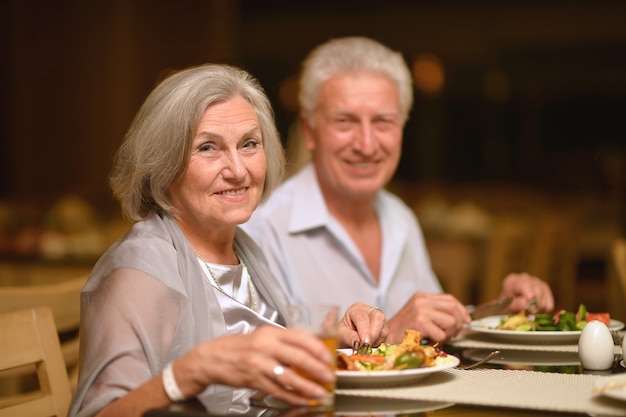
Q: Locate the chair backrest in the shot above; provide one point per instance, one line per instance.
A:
(543, 243)
(507, 251)
(618, 254)
(29, 338)
(619, 257)
(554, 254)
(63, 298)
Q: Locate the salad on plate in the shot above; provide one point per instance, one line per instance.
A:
(562, 320)
(409, 354)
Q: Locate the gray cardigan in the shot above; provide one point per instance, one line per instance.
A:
(147, 303)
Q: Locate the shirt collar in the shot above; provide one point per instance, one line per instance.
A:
(309, 211)
(309, 207)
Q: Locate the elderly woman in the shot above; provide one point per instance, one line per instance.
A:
(183, 305)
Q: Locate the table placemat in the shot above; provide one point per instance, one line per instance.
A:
(482, 341)
(527, 390)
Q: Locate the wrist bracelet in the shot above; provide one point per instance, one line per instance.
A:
(171, 387)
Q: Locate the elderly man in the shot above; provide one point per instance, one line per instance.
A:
(331, 232)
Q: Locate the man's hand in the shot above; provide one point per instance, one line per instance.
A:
(524, 288)
(438, 317)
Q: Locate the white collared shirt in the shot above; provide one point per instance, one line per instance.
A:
(317, 261)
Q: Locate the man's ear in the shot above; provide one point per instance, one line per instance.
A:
(307, 133)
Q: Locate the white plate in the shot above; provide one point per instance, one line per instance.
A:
(525, 357)
(488, 325)
(618, 393)
(362, 406)
(362, 379)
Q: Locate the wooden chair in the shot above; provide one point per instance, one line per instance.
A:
(507, 251)
(618, 274)
(619, 258)
(63, 298)
(554, 254)
(544, 243)
(30, 339)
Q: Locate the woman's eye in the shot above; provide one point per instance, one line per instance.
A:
(251, 144)
(206, 147)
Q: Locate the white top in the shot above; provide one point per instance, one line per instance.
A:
(234, 289)
(311, 253)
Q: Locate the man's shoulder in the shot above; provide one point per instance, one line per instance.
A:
(393, 202)
(281, 196)
(276, 206)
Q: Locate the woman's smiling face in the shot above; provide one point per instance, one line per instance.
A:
(224, 179)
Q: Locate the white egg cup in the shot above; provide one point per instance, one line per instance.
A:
(595, 347)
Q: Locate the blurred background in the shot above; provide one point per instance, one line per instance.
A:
(514, 155)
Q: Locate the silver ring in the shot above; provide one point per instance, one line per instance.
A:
(372, 309)
(277, 371)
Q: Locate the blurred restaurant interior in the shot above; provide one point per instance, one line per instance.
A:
(514, 156)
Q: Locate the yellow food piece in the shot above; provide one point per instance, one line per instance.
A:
(411, 338)
(412, 341)
(515, 321)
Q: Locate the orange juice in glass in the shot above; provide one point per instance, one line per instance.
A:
(320, 320)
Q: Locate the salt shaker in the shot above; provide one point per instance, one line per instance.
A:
(595, 347)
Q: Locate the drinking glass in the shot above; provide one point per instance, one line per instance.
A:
(321, 321)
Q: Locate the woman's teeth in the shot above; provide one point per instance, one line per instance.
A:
(233, 192)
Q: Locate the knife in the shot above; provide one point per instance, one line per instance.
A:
(491, 308)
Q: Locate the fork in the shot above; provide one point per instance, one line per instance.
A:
(361, 348)
(482, 361)
(531, 307)
(617, 337)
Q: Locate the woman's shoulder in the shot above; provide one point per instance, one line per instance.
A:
(147, 246)
(146, 238)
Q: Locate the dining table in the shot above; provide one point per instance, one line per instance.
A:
(37, 272)
(533, 375)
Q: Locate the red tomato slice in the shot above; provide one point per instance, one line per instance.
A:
(375, 359)
(603, 317)
(557, 316)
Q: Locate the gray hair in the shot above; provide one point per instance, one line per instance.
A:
(157, 147)
(352, 54)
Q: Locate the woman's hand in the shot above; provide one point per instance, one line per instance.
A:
(363, 322)
(264, 360)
